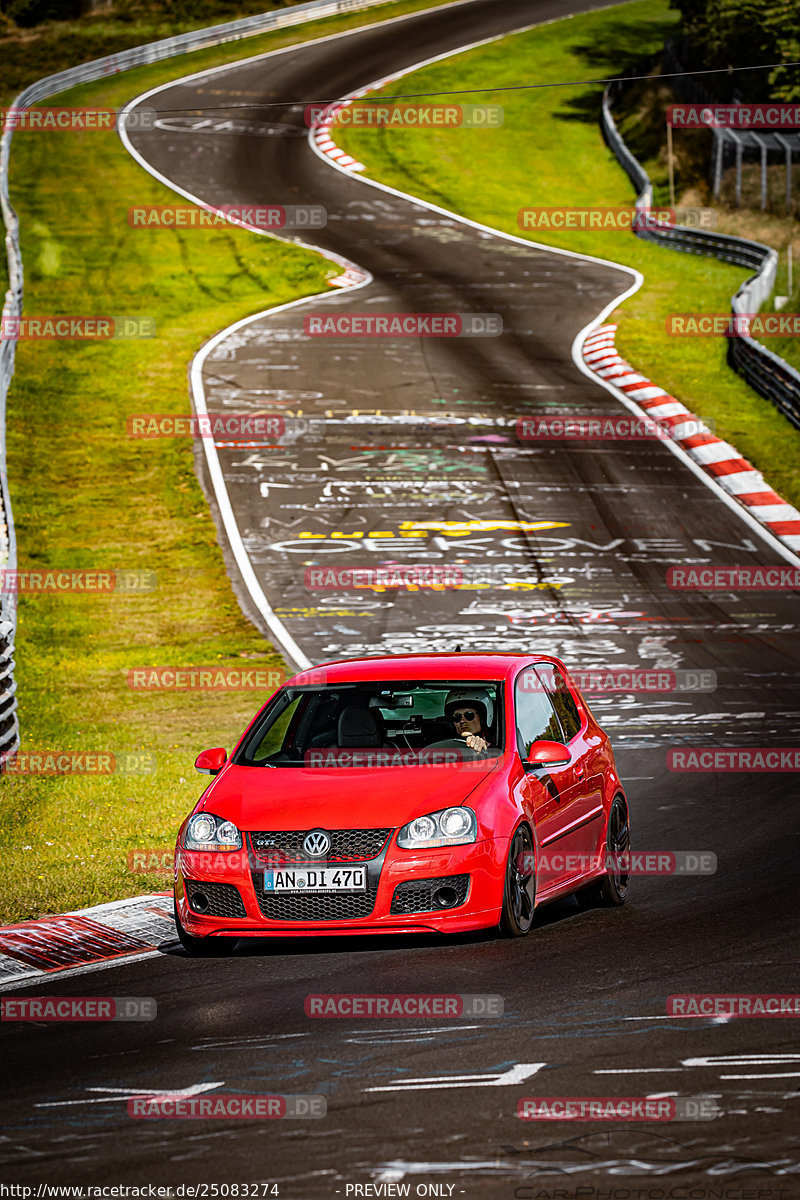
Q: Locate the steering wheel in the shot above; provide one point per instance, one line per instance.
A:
(454, 743)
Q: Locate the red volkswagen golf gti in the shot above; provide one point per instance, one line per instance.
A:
(406, 794)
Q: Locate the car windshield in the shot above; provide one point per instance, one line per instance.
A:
(429, 722)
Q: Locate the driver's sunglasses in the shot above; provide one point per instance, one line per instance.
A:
(467, 715)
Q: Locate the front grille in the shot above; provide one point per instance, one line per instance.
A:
(224, 900)
(347, 845)
(416, 895)
(344, 906)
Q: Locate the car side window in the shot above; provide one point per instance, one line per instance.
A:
(558, 690)
(536, 720)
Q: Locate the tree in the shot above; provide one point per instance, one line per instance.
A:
(731, 34)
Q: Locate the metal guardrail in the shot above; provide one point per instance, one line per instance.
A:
(51, 85)
(768, 374)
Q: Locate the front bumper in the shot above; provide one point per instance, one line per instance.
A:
(241, 908)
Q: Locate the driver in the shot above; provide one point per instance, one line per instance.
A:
(471, 711)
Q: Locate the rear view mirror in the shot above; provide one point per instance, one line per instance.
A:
(211, 762)
(547, 754)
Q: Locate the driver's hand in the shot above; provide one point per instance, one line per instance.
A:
(476, 742)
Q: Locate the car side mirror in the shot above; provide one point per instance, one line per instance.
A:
(211, 762)
(547, 754)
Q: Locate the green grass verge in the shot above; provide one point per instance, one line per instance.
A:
(86, 495)
(549, 152)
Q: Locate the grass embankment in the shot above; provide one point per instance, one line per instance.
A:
(549, 152)
(85, 495)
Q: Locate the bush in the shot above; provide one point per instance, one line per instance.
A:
(726, 34)
(27, 13)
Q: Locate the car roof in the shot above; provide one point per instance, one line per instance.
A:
(448, 666)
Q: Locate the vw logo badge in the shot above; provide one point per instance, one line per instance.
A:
(317, 843)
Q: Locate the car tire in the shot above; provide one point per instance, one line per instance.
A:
(519, 889)
(207, 947)
(612, 889)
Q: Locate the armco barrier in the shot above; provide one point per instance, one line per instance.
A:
(42, 89)
(768, 374)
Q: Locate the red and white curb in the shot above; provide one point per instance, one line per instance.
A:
(352, 277)
(31, 951)
(325, 144)
(322, 134)
(723, 462)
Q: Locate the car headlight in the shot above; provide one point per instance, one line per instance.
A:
(450, 827)
(206, 832)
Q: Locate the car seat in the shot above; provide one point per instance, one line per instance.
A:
(360, 726)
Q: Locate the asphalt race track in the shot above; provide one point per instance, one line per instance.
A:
(407, 454)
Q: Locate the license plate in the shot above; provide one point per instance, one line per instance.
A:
(316, 879)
